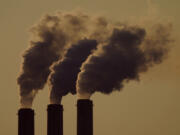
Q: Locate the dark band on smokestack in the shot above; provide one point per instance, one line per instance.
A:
(84, 117)
(55, 119)
(26, 122)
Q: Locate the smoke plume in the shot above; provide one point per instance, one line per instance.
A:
(63, 41)
(128, 52)
(64, 75)
(51, 37)
(37, 60)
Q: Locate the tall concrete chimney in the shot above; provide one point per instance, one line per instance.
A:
(84, 117)
(25, 121)
(55, 119)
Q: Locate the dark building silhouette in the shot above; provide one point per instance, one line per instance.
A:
(84, 117)
(25, 121)
(55, 119)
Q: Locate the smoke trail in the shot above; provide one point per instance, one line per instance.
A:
(39, 57)
(128, 52)
(63, 78)
(52, 35)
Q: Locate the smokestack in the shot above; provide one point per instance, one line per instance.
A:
(26, 121)
(55, 119)
(84, 117)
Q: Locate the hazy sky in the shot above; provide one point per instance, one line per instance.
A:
(151, 106)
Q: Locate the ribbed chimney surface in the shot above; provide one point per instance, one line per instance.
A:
(84, 117)
(25, 122)
(55, 119)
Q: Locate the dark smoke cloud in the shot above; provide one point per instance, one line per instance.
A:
(63, 78)
(120, 56)
(129, 52)
(39, 57)
(51, 36)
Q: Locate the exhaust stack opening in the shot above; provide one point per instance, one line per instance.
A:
(55, 119)
(26, 121)
(84, 117)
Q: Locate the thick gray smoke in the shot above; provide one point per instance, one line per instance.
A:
(128, 52)
(58, 41)
(64, 75)
(52, 36)
(38, 58)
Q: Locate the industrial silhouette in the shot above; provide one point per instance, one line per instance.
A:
(81, 54)
(84, 117)
(55, 119)
(26, 122)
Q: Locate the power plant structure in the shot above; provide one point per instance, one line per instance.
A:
(25, 121)
(55, 119)
(84, 117)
